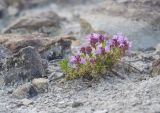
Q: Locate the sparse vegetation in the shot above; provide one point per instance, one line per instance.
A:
(98, 56)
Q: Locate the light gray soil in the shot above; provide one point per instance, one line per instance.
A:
(130, 90)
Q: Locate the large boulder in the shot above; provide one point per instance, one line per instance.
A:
(47, 46)
(25, 65)
(25, 61)
(43, 21)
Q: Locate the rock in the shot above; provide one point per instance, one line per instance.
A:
(101, 111)
(77, 104)
(24, 91)
(4, 53)
(9, 91)
(32, 62)
(2, 8)
(26, 65)
(150, 49)
(85, 27)
(158, 48)
(49, 47)
(12, 11)
(40, 85)
(156, 67)
(55, 76)
(34, 22)
(26, 102)
(25, 4)
(24, 59)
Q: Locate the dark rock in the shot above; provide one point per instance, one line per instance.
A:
(156, 67)
(4, 53)
(77, 104)
(3, 7)
(24, 91)
(32, 62)
(25, 65)
(49, 47)
(150, 49)
(24, 60)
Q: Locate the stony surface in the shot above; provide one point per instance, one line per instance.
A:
(131, 88)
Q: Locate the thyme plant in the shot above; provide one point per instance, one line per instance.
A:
(101, 53)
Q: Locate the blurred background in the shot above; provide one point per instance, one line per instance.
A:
(139, 20)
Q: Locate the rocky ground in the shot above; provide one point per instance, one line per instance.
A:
(36, 34)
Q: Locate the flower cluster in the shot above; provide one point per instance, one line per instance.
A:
(101, 53)
(77, 59)
(119, 40)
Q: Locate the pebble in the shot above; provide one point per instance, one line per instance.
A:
(26, 102)
(77, 104)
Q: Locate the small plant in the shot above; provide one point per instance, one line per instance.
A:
(97, 57)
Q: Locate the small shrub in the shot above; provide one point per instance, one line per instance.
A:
(97, 57)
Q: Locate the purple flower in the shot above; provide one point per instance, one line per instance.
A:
(73, 59)
(77, 59)
(107, 49)
(114, 41)
(93, 38)
(106, 37)
(119, 40)
(102, 38)
(83, 50)
(93, 60)
(88, 50)
(100, 50)
(83, 61)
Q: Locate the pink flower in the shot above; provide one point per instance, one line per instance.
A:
(102, 38)
(73, 59)
(93, 60)
(88, 50)
(83, 61)
(100, 50)
(107, 49)
(77, 59)
(83, 50)
(119, 40)
(93, 38)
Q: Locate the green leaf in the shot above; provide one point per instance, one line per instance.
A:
(64, 65)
